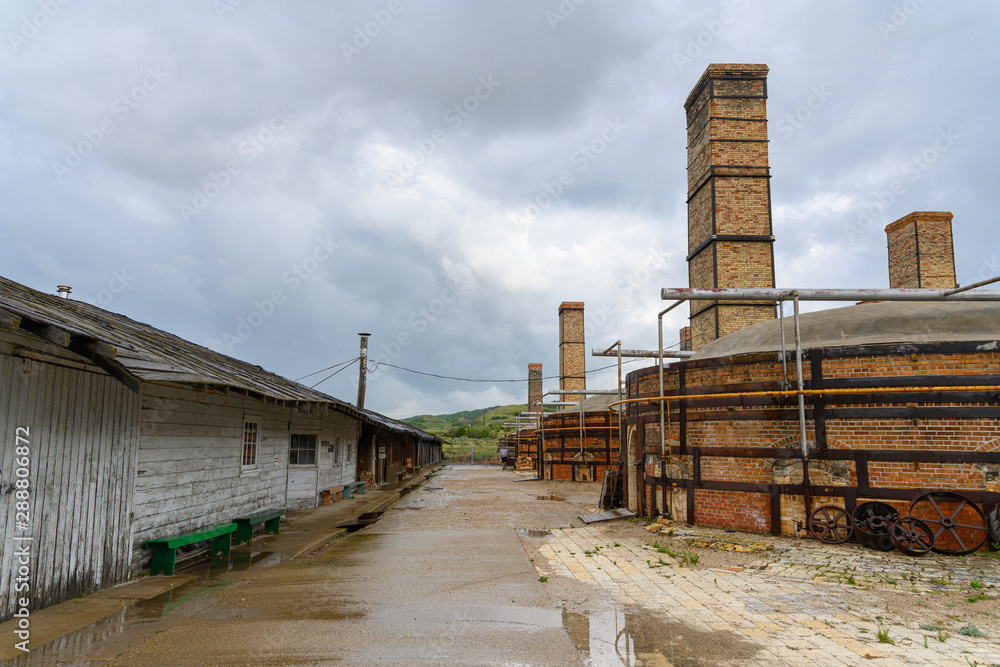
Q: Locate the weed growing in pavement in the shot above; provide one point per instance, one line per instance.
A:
(929, 626)
(977, 597)
(543, 579)
(971, 631)
(942, 636)
(883, 636)
(617, 545)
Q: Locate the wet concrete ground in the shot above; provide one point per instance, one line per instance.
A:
(478, 568)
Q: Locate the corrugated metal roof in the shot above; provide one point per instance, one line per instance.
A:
(153, 355)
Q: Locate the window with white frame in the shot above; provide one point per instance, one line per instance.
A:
(251, 442)
(302, 451)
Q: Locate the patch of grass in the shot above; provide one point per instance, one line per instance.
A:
(883, 636)
(977, 597)
(976, 584)
(971, 631)
(543, 579)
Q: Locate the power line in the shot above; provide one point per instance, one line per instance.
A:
(333, 373)
(343, 363)
(376, 365)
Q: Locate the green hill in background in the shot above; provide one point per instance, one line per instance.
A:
(492, 418)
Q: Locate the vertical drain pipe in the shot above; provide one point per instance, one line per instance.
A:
(665, 454)
(784, 359)
(802, 407)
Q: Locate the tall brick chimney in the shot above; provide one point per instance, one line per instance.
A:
(921, 251)
(730, 239)
(534, 387)
(572, 363)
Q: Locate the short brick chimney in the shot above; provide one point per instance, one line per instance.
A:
(572, 362)
(921, 251)
(534, 388)
(685, 338)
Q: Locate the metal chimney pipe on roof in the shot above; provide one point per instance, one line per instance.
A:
(363, 371)
(63, 291)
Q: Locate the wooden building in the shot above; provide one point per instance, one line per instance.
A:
(122, 433)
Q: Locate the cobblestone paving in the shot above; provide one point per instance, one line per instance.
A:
(801, 602)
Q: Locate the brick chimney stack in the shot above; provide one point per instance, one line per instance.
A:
(572, 363)
(535, 388)
(730, 239)
(921, 251)
(685, 339)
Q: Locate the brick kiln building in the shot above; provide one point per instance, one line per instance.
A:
(891, 423)
(569, 444)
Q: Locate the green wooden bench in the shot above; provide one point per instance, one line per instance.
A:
(245, 524)
(165, 548)
(354, 488)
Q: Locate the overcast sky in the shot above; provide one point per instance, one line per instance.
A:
(269, 179)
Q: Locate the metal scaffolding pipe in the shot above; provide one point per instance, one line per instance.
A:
(647, 354)
(772, 294)
(592, 392)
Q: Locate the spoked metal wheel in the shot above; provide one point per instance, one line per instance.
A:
(831, 524)
(871, 524)
(912, 536)
(959, 525)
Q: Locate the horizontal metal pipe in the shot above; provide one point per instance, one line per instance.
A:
(589, 392)
(770, 294)
(650, 354)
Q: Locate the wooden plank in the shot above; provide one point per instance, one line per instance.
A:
(621, 513)
(9, 320)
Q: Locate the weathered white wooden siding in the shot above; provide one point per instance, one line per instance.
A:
(305, 483)
(189, 472)
(82, 434)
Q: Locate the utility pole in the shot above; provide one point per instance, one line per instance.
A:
(363, 371)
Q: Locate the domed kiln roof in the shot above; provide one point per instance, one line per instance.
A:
(885, 322)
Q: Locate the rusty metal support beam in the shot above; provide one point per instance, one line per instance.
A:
(774, 294)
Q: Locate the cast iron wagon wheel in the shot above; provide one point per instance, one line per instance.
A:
(871, 525)
(959, 525)
(912, 536)
(831, 524)
(993, 521)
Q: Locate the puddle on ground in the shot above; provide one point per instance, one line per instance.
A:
(531, 532)
(105, 639)
(639, 637)
(550, 498)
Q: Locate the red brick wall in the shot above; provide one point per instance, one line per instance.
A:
(738, 423)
